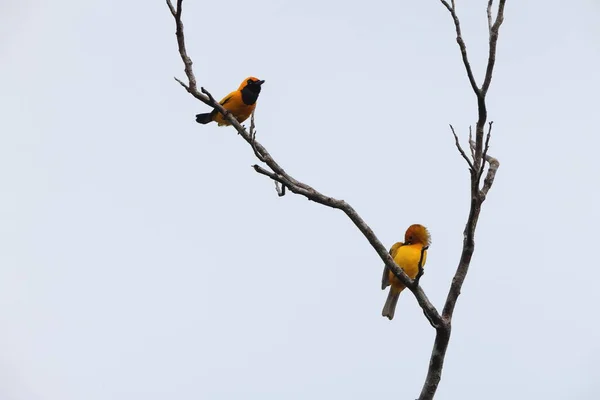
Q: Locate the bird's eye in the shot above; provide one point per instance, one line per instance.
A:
(250, 81)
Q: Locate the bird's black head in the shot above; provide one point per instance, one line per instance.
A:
(250, 89)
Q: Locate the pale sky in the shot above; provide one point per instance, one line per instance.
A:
(142, 258)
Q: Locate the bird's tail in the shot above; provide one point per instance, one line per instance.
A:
(204, 118)
(390, 304)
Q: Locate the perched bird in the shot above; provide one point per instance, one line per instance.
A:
(240, 103)
(407, 256)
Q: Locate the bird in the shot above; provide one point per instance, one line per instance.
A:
(240, 103)
(407, 255)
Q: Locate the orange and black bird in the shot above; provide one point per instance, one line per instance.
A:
(240, 103)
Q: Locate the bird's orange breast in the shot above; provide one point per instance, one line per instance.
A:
(240, 110)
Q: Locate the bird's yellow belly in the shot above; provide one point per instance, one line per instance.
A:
(407, 258)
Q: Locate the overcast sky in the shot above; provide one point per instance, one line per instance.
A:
(142, 258)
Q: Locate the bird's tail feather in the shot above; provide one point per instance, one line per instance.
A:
(204, 118)
(389, 307)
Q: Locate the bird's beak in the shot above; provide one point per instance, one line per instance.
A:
(260, 82)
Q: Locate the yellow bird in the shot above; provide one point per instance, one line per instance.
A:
(240, 103)
(407, 256)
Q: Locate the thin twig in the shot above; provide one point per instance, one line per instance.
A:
(252, 127)
(211, 99)
(472, 148)
(421, 271)
(272, 175)
(460, 149)
(280, 190)
(485, 150)
(252, 134)
(493, 43)
(173, 11)
(186, 87)
(462, 45)
(187, 62)
(489, 16)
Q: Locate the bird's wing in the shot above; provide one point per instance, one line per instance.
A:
(223, 101)
(385, 279)
(226, 99)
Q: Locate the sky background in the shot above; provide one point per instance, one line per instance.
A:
(142, 258)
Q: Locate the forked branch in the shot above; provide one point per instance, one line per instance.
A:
(479, 154)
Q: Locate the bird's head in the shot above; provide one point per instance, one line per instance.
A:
(417, 234)
(252, 84)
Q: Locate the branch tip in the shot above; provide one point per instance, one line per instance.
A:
(171, 8)
(489, 16)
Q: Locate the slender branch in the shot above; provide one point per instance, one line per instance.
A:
(479, 92)
(173, 11)
(485, 150)
(460, 149)
(471, 140)
(428, 308)
(186, 87)
(187, 62)
(278, 179)
(273, 176)
(493, 43)
(278, 174)
(253, 144)
(462, 45)
(252, 127)
(489, 16)
(280, 189)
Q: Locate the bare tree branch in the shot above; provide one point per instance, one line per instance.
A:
(253, 144)
(489, 16)
(280, 189)
(485, 149)
(480, 93)
(493, 42)
(460, 149)
(252, 127)
(278, 174)
(470, 140)
(173, 10)
(479, 152)
(462, 45)
(187, 62)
